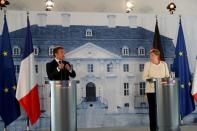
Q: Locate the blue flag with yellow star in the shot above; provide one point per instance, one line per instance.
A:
(182, 71)
(9, 106)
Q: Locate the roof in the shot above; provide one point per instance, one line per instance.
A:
(111, 39)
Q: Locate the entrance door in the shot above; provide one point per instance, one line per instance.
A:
(90, 92)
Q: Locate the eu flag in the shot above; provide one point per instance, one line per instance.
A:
(182, 71)
(9, 106)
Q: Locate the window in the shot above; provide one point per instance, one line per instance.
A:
(126, 89)
(17, 68)
(36, 50)
(141, 51)
(46, 82)
(142, 88)
(125, 51)
(126, 67)
(51, 51)
(126, 105)
(141, 67)
(36, 68)
(89, 32)
(109, 67)
(90, 68)
(16, 51)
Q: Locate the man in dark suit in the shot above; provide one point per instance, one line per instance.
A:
(58, 69)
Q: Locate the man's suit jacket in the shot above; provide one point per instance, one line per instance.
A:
(54, 74)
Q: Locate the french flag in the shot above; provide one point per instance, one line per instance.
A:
(194, 86)
(27, 87)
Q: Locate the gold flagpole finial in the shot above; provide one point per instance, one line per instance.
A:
(28, 13)
(4, 11)
(179, 16)
(156, 17)
(180, 19)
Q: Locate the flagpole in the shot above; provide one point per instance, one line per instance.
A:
(181, 119)
(4, 124)
(4, 128)
(28, 124)
(28, 117)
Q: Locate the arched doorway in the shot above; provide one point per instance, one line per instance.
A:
(90, 92)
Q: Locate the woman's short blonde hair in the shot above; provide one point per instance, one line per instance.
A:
(155, 51)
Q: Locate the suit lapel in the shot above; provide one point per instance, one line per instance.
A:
(55, 62)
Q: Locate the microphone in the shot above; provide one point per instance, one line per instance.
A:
(60, 62)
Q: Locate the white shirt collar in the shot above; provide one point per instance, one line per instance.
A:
(57, 60)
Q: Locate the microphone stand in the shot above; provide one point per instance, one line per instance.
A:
(60, 62)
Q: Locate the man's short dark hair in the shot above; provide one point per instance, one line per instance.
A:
(55, 50)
